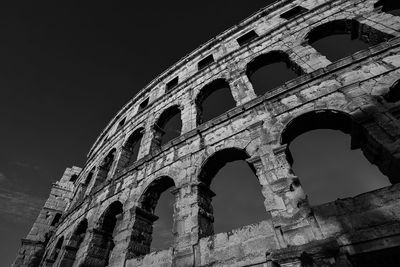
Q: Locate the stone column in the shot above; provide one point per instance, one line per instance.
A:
(286, 200)
(121, 234)
(68, 254)
(193, 220)
(98, 248)
(141, 229)
(188, 115)
(378, 136)
(156, 139)
(241, 88)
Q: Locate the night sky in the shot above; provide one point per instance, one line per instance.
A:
(66, 69)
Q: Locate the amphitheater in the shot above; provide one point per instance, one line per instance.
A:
(103, 214)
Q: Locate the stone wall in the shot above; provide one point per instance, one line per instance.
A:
(116, 201)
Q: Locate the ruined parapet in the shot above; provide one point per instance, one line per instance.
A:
(110, 219)
(32, 249)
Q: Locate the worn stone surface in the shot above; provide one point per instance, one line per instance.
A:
(115, 196)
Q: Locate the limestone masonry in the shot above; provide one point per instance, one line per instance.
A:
(103, 214)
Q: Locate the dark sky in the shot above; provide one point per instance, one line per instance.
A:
(66, 68)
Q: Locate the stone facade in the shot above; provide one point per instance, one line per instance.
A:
(106, 208)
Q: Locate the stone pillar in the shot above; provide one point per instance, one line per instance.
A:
(84, 246)
(286, 200)
(241, 88)
(290, 187)
(272, 201)
(193, 114)
(148, 136)
(193, 219)
(141, 228)
(121, 234)
(188, 121)
(97, 252)
(69, 253)
(156, 139)
(378, 136)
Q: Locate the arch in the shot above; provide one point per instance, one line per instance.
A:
(262, 71)
(209, 169)
(320, 119)
(218, 160)
(131, 148)
(350, 27)
(74, 244)
(102, 240)
(167, 127)
(103, 171)
(150, 196)
(108, 220)
(333, 120)
(141, 237)
(394, 93)
(216, 94)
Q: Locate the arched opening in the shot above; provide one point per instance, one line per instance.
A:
(213, 100)
(167, 127)
(237, 201)
(131, 148)
(341, 38)
(102, 242)
(394, 93)
(271, 70)
(73, 178)
(321, 151)
(389, 6)
(121, 123)
(105, 167)
(152, 229)
(56, 219)
(74, 244)
(56, 251)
